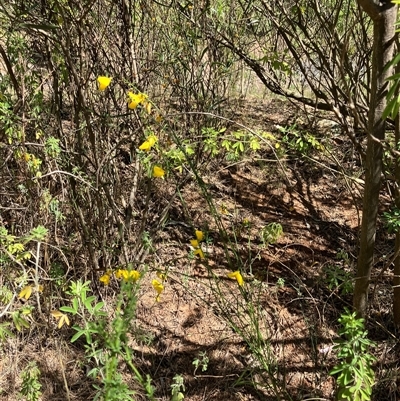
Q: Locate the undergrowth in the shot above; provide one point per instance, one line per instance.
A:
(107, 111)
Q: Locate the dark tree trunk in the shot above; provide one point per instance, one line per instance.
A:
(384, 17)
(396, 279)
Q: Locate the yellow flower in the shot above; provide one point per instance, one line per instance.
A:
(152, 139)
(145, 146)
(103, 82)
(199, 235)
(223, 209)
(194, 243)
(148, 143)
(105, 278)
(158, 172)
(135, 99)
(147, 107)
(118, 273)
(199, 252)
(128, 275)
(236, 275)
(159, 288)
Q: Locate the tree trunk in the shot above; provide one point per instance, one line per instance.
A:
(384, 18)
(396, 279)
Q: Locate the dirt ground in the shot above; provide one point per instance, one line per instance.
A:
(318, 209)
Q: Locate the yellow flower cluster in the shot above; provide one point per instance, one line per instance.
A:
(159, 286)
(126, 275)
(146, 146)
(134, 99)
(196, 244)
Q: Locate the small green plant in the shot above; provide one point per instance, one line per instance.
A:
(271, 233)
(30, 387)
(55, 209)
(299, 141)
(5, 332)
(343, 255)
(336, 277)
(177, 388)
(13, 256)
(52, 147)
(355, 376)
(202, 361)
(234, 144)
(107, 343)
(147, 241)
(392, 220)
(177, 156)
(57, 274)
(280, 282)
(211, 137)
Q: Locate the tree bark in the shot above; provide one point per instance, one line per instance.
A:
(384, 18)
(396, 278)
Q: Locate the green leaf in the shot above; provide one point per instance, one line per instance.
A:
(78, 334)
(68, 309)
(393, 62)
(39, 233)
(336, 370)
(393, 89)
(177, 397)
(75, 304)
(255, 144)
(226, 144)
(389, 108)
(394, 77)
(366, 393)
(98, 306)
(88, 303)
